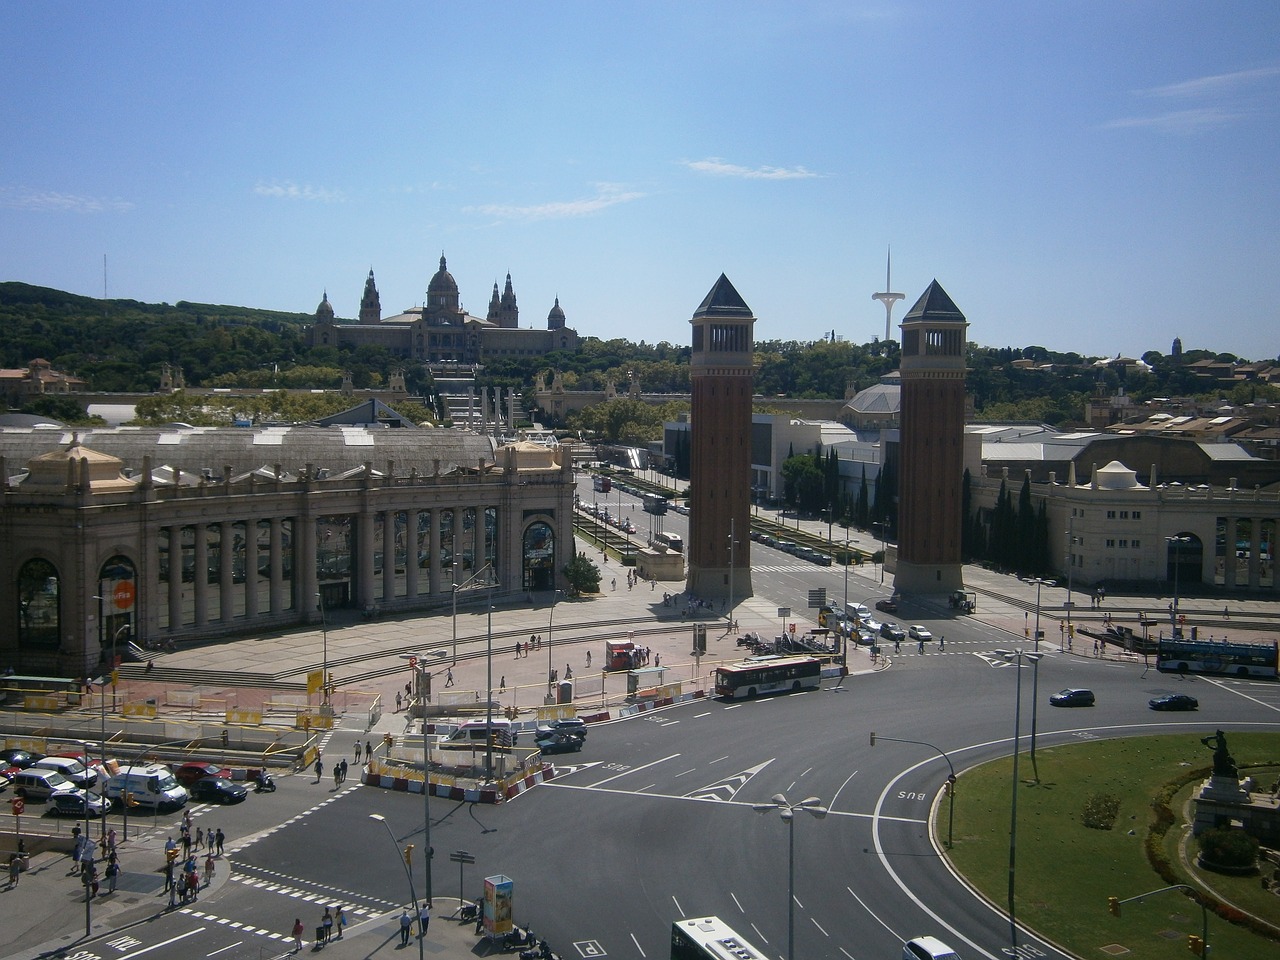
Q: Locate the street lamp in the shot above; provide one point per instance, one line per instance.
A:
(488, 706)
(1018, 656)
(1039, 583)
(1071, 569)
(732, 543)
(551, 617)
(413, 894)
(812, 806)
(324, 633)
(1177, 542)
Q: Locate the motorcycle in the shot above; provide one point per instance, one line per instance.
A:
(518, 938)
(541, 952)
(263, 783)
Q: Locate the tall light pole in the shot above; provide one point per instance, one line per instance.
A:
(732, 543)
(413, 893)
(488, 706)
(1015, 656)
(550, 618)
(1071, 566)
(1177, 542)
(324, 633)
(1039, 583)
(812, 806)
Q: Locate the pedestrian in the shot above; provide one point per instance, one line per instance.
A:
(221, 839)
(208, 869)
(15, 869)
(111, 841)
(588, 659)
(199, 838)
(657, 659)
(399, 701)
(319, 769)
(186, 841)
(614, 583)
(920, 647)
(113, 871)
(448, 682)
(368, 751)
(406, 924)
(502, 686)
(297, 934)
(339, 921)
(168, 875)
(326, 926)
(942, 643)
(337, 775)
(424, 919)
(357, 751)
(517, 651)
(344, 771)
(1226, 614)
(173, 887)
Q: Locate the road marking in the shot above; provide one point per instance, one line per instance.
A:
(164, 943)
(1222, 686)
(225, 949)
(763, 938)
(679, 909)
(718, 759)
(624, 773)
(726, 788)
(638, 947)
(733, 707)
(679, 775)
(819, 926)
(736, 903)
(699, 716)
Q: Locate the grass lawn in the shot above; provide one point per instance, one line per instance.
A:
(1066, 871)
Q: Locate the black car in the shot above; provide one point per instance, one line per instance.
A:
(15, 757)
(1174, 701)
(559, 743)
(574, 725)
(1073, 697)
(891, 631)
(217, 790)
(888, 604)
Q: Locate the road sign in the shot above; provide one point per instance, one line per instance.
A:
(784, 612)
(461, 856)
(18, 806)
(413, 663)
(817, 598)
(315, 681)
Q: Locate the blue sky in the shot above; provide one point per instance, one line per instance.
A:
(1089, 176)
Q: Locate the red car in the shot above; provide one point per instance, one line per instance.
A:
(189, 773)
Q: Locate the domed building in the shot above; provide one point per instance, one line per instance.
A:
(441, 331)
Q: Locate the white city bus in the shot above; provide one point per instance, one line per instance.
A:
(709, 938)
(768, 674)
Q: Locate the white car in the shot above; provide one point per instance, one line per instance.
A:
(918, 632)
(871, 625)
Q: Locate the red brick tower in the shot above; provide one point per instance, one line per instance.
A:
(931, 471)
(722, 374)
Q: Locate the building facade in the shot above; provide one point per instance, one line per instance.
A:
(152, 545)
(722, 376)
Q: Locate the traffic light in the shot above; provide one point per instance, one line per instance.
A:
(1196, 945)
(129, 800)
(1113, 904)
(408, 854)
(950, 786)
(171, 855)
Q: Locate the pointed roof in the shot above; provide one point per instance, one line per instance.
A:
(935, 306)
(723, 301)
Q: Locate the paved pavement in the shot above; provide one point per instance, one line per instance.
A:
(45, 911)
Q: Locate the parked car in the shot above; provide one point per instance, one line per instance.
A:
(73, 804)
(80, 776)
(21, 759)
(892, 631)
(36, 784)
(190, 773)
(1174, 701)
(1073, 697)
(918, 632)
(888, 604)
(217, 790)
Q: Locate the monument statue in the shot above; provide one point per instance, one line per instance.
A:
(1223, 764)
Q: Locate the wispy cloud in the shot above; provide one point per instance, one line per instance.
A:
(721, 168)
(288, 190)
(20, 198)
(607, 195)
(1211, 102)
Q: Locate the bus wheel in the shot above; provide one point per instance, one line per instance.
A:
(795, 686)
(1242, 671)
(751, 691)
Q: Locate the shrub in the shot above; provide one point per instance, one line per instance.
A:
(1100, 811)
(1228, 847)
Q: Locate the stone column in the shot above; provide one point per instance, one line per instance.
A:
(250, 569)
(276, 590)
(433, 569)
(389, 555)
(411, 553)
(227, 571)
(363, 559)
(201, 575)
(175, 577)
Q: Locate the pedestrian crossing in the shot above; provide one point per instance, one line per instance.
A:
(307, 891)
(233, 924)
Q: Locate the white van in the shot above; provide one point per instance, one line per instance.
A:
(72, 769)
(927, 948)
(472, 733)
(151, 785)
(36, 784)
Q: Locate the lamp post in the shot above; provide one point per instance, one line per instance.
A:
(1015, 656)
(1177, 542)
(488, 706)
(732, 543)
(551, 617)
(1039, 583)
(951, 778)
(324, 633)
(1071, 567)
(812, 806)
(413, 893)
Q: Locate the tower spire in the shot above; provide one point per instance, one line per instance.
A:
(887, 298)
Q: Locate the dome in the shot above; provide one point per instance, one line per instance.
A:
(1116, 476)
(443, 281)
(325, 310)
(556, 313)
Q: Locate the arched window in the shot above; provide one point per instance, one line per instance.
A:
(117, 601)
(39, 609)
(539, 557)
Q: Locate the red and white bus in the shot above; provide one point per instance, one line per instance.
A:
(767, 674)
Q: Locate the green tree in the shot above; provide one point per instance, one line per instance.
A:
(582, 575)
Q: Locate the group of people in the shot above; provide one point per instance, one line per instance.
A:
(524, 649)
(406, 923)
(330, 927)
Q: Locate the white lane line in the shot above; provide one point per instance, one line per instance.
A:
(819, 926)
(1222, 686)
(846, 953)
(763, 938)
(600, 783)
(638, 947)
(736, 903)
(679, 909)
(163, 943)
(718, 759)
(699, 716)
(225, 949)
(841, 787)
(734, 706)
(679, 775)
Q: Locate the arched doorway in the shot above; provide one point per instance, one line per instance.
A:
(39, 605)
(538, 553)
(1184, 559)
(117, 601)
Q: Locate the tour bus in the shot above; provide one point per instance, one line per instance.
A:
(601, 484)
(709, 938)
(767, 674)
(1175, 655)
(672, 541)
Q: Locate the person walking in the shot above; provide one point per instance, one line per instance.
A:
(208, 868)
(337, 775)
(319, 769)
(199, 838)
(297, 934)
(399, 701)
(406, 924)
(424, 919)
(448, 682)
(502, 685)
(221, 839)
(368, 751)
(357, 751)
(15, 869)
(588, 659)
(343, 764)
